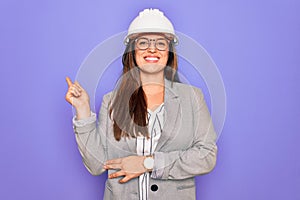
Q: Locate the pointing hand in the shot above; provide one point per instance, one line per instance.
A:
(78, 98)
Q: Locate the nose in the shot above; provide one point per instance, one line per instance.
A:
(152, 47)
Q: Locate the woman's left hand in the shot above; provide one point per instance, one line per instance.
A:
(130, 167)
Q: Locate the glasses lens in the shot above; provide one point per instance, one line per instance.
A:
(142, 43)
(161, 44)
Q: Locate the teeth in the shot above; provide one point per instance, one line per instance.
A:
(151, 58)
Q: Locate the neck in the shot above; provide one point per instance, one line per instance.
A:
(152, 84)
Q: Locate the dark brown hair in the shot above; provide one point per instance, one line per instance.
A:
(128, 107)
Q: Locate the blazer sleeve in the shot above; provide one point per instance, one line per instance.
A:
(200, 157)
(91, 141)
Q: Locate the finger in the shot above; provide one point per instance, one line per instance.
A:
(69, 81)
(117, 174)
(77, 87)
(125, 179)
(77, 84)
(114, 161)
(75, 90)
(74, 93)
(113, 166)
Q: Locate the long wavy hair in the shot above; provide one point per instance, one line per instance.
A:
(128, 107)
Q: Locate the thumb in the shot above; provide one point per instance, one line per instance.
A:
(70, 99)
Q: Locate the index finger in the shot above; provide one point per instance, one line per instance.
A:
(112, 166)
(69, 81)
(113, 161)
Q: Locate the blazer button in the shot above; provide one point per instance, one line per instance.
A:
(154, 187)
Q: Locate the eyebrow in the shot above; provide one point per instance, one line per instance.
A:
(151, 38)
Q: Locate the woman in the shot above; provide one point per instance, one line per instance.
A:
(154, 134)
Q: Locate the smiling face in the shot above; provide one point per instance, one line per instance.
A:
(151, 60)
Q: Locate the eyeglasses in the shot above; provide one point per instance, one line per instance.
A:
(143, 43)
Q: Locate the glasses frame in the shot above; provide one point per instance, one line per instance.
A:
(152, 40)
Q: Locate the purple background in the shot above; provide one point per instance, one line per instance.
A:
(255, 45)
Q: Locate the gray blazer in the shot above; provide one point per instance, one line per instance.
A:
(186, 148)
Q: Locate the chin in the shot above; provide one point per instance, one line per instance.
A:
(152, 68)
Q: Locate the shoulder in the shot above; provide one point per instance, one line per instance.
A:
(189, 95)
(106, 99)
(108, 96)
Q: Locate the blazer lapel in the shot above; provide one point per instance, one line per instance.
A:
(171, 116)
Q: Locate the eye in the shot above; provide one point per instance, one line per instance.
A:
(161, 43)
(142, 42)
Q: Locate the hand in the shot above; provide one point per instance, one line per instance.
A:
(130, 167)
(78, 98)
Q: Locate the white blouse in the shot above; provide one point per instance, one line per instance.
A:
(147, 146)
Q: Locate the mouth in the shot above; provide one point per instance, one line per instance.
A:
(152, 59)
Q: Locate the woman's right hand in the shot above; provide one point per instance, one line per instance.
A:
(78, 98)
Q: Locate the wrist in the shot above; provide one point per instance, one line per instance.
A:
(148, 163)
(83, 111)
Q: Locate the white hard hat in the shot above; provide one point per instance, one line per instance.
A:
(151, 21)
